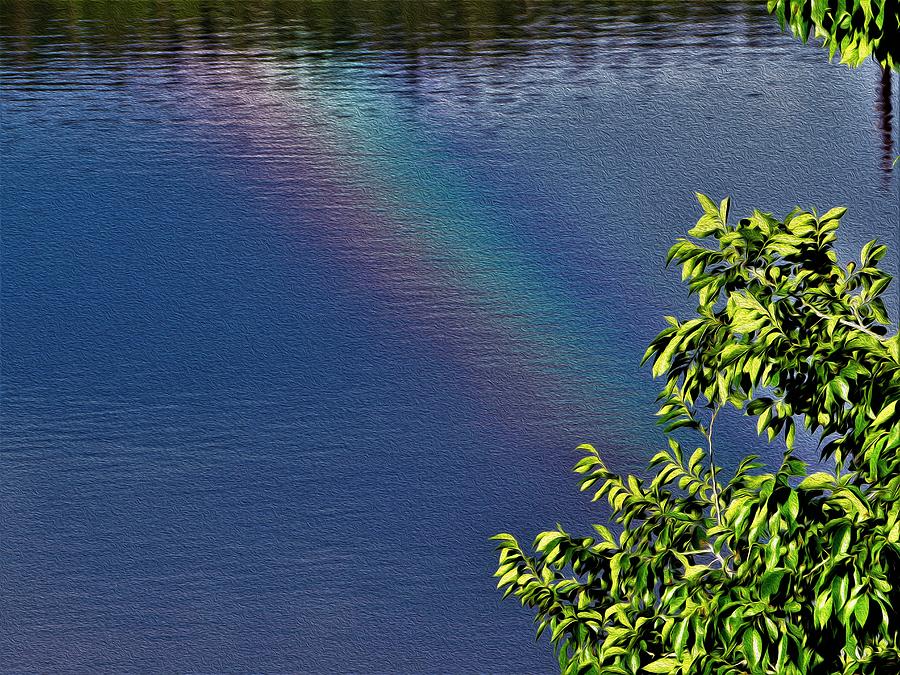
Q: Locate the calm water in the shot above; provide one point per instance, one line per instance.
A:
(303, 301)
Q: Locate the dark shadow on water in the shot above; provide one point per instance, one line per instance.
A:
(884, 106)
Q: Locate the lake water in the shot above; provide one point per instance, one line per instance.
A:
(302, 301)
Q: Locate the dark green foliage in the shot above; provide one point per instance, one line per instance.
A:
(768, 571)
(855, 28)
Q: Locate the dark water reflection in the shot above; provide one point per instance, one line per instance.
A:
(303, 301)
(886, 114)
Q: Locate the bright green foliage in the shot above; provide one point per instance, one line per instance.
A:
(766, 572)
(856, 28)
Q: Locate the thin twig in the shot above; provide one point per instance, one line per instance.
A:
(849, 324)
(712, 465)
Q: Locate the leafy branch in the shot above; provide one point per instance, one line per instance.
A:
(780, 571)
(857, 29)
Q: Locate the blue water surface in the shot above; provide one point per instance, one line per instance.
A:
(301, 302)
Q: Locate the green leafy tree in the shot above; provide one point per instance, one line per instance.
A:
(856, 28)
(780, 571)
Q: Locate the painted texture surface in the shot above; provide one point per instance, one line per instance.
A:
(301, 302)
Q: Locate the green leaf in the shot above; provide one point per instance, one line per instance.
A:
(708, 204)
(840, 388)
(886, 413)
(817, 481)
(841, 542)
(792, 506)
(706, 226)
(753, 646)
(694, 572)
(833, 214)
(665, 665)
(770, 582)
(680, 636)
(560, 628)
(823, 608)
(861, 611)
